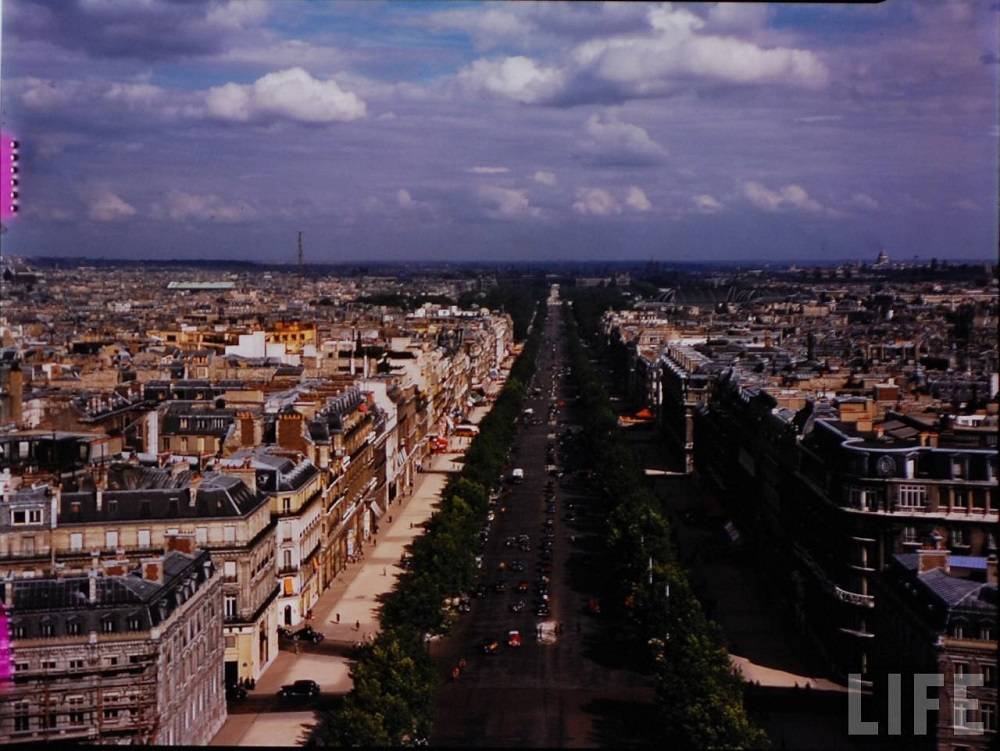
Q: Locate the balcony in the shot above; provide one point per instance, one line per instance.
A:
(853, 598)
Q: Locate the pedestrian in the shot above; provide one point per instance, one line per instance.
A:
(357, 625)
(338, 617)
(383, 571)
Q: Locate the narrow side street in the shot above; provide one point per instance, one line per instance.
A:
(263, 719)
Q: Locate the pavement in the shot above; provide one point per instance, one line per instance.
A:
(265, 720)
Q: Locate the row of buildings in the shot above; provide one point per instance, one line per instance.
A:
(171, 496)
(845, 430)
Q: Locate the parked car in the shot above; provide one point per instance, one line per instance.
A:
(517, 607)
(300, 689)
(542, 610)
(307, 633)
(522, 586)
(235, 693)
(500, 586)
(517, 566)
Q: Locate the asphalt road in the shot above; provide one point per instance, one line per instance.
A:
(562, 693)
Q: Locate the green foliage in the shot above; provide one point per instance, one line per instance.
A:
(395, 682)
(699, 694)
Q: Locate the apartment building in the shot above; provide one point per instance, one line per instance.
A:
(117, 656)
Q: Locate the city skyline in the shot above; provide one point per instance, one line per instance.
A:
(510, 131)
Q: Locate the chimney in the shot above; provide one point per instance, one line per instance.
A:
(247, 437)
(183, 542)
(991, 570)
(116, 567)
(92, 586)
(152, 569)
(933, 555)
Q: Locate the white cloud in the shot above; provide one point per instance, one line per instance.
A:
(404, 199)
(707, 204)
(789, 196)
(636, 199)
(106, 206)
(181, 206)
(966, 204)
(545, 178)
(489, 170)
(508, 203)
(864, 201)
(237, 14)
(291, 94)
(595, 202)
(519, 78)
(611, 141)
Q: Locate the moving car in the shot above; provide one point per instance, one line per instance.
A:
(522, 586)
(301, 688)
(490, 646)
(517, 607)
(307, 633)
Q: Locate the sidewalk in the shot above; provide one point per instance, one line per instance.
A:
(354, 596)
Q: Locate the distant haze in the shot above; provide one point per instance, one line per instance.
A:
(511, 131)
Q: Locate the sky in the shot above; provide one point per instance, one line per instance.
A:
(511, 131)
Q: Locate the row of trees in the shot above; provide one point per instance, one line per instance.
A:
(395, 680)
(516, 297)
(699, 696)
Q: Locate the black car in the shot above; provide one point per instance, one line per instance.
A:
(517, 566)
(235, 693)
(308, 634)
(500, 586)
(300, 689)
(479, 592)
(542, 611)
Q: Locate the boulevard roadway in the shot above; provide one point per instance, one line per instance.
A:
(560, 690)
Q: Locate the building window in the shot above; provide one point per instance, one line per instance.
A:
(958, 631)
(958, 539)
(73, 628)
(989, 717)
(986, 633)
(48, 664)
(26, 516)
(979, 499)
(47, 629)
(229, 534)
(201, 535)
(76, 664)
(286, 505)
(76, 542)
(859, 498)
(230, 604)
(144, 538)
(961, 669)
(108, 626)
(76, 717)
(111, 540)
(18, 631)
(134, 623)
(229, 570)
(961, 713)
(111, 714)
(910, 535)
(989, 676)
(21, 716)
(230, 642)
(912, 496)
(286, 560)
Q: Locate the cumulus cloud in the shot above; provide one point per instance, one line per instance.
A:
(677, 48)
(636, 199)
(613, 142)
(519, 78)
(545, 178)
(864, 201)
(706, 204)
(404, 199)
(787, 197)
(106, 206)
(507, 203)
(489, 170)
(595, 202)
(291, 94)
(966, 204)
(181, 206)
